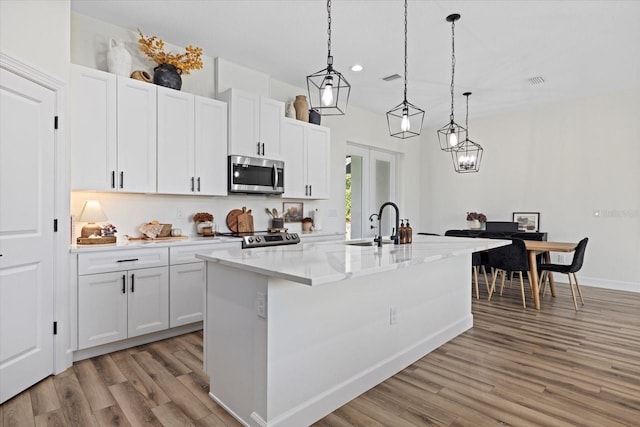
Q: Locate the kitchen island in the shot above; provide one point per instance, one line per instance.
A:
(294, 332)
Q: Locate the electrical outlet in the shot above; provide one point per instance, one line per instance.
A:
(393, 316)
(261, 305)
(179, 213)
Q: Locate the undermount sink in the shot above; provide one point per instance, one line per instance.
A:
(366, 242)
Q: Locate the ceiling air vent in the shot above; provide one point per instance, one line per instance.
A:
(391, 77)
(537, 80)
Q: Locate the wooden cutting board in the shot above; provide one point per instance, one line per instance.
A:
(232, 220)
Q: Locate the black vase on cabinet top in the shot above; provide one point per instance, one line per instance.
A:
(167, 75)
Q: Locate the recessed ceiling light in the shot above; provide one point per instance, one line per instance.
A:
(356, 67)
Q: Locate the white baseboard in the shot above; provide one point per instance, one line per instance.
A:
(595, 282)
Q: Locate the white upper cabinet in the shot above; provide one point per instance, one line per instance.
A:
(192, 144)
(254, 124)
(93, 128)
(113, 132)
(306, 150)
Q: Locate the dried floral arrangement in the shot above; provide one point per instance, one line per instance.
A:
(153, 47)
(475, 215)
(202, 217)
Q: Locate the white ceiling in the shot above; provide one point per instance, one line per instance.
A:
(580, 48)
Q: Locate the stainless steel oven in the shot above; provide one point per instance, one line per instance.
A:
(255, 175)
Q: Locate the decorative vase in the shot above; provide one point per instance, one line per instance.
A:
(141, 75)
(167, 75)
(201, 227)
(290, 110)
(302, 108)
(314, 116)
(118, 58)
(474, 224)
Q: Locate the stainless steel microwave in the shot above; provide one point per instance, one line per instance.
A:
(255, 175)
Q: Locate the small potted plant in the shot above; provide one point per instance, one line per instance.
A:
(307, 224)
(476, 220)
(204, 223)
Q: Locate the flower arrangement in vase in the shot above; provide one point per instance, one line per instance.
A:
(170, 65)
(475, 220)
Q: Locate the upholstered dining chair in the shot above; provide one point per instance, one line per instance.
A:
(478, 261)
(507, 259)
(570, 270)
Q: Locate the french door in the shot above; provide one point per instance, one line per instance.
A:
(371, 181)
(27, 156)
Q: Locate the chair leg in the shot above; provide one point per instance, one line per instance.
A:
(543, 283)
(524, 304)
(575, 278)
(493, 284)
(475, 280)
(503, 277)
(486, 281)
(573, 294)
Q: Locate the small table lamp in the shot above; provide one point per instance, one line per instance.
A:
(91, 212)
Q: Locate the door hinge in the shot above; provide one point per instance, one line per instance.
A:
(55, 328)
(55, 122)
(55, 225)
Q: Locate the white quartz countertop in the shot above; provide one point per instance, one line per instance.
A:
(326, 262)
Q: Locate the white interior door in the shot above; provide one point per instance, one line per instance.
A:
(373, 182)
(27, 146)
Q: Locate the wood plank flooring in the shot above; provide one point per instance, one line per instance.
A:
(518, 367)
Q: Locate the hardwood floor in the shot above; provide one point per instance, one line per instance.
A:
(520, 367)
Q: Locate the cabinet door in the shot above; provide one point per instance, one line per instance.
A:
(148, 304)
(102, 308)
(210, 147)
(271, 114)
(294, 155)
(244, 122)
(136, 113)
(318, 161)
(186, 293)
(92, 110)
(176, 152)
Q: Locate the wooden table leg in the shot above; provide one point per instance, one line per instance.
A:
(533, 269)
(552, 284)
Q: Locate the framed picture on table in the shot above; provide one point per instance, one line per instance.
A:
(292, 212)
(527, 221)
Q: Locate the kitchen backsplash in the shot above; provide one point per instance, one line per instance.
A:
(128, 211)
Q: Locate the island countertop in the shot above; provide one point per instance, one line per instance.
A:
(327, 262)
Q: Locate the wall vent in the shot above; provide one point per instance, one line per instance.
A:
(537, 80)
(391, 77)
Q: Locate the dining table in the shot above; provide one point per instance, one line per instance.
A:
(536, 247)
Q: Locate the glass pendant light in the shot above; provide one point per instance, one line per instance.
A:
(452, 133)
(405, 119)
(467, 155)
(328, 89)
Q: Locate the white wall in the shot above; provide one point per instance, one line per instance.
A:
(37, 33)
(566, 161)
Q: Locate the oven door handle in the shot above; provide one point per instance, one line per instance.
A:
(274, 177)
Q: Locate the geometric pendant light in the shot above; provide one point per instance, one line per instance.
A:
(405, 119)
(467, 155)
(452, 133)
(328, 89)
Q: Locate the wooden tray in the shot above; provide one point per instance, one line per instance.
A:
(158, 238)
(100, 241)
(232, 220)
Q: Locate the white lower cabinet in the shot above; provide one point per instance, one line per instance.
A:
(186, 293)
(127, 296)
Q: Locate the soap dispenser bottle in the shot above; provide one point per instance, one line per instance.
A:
(402, 233)
(408, 231)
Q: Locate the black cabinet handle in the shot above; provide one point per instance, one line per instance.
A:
(309, 190)
(132, 281)
(306, 190)
(127, 260)
(121, 179)
(113, 179)
(192, 184)
(258, 151)
(198, 184)
(124, 283)
(263, 148)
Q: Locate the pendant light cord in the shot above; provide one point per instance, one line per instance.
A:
(453, 62)
(466, 122)
(405, 52)
(329, 59)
